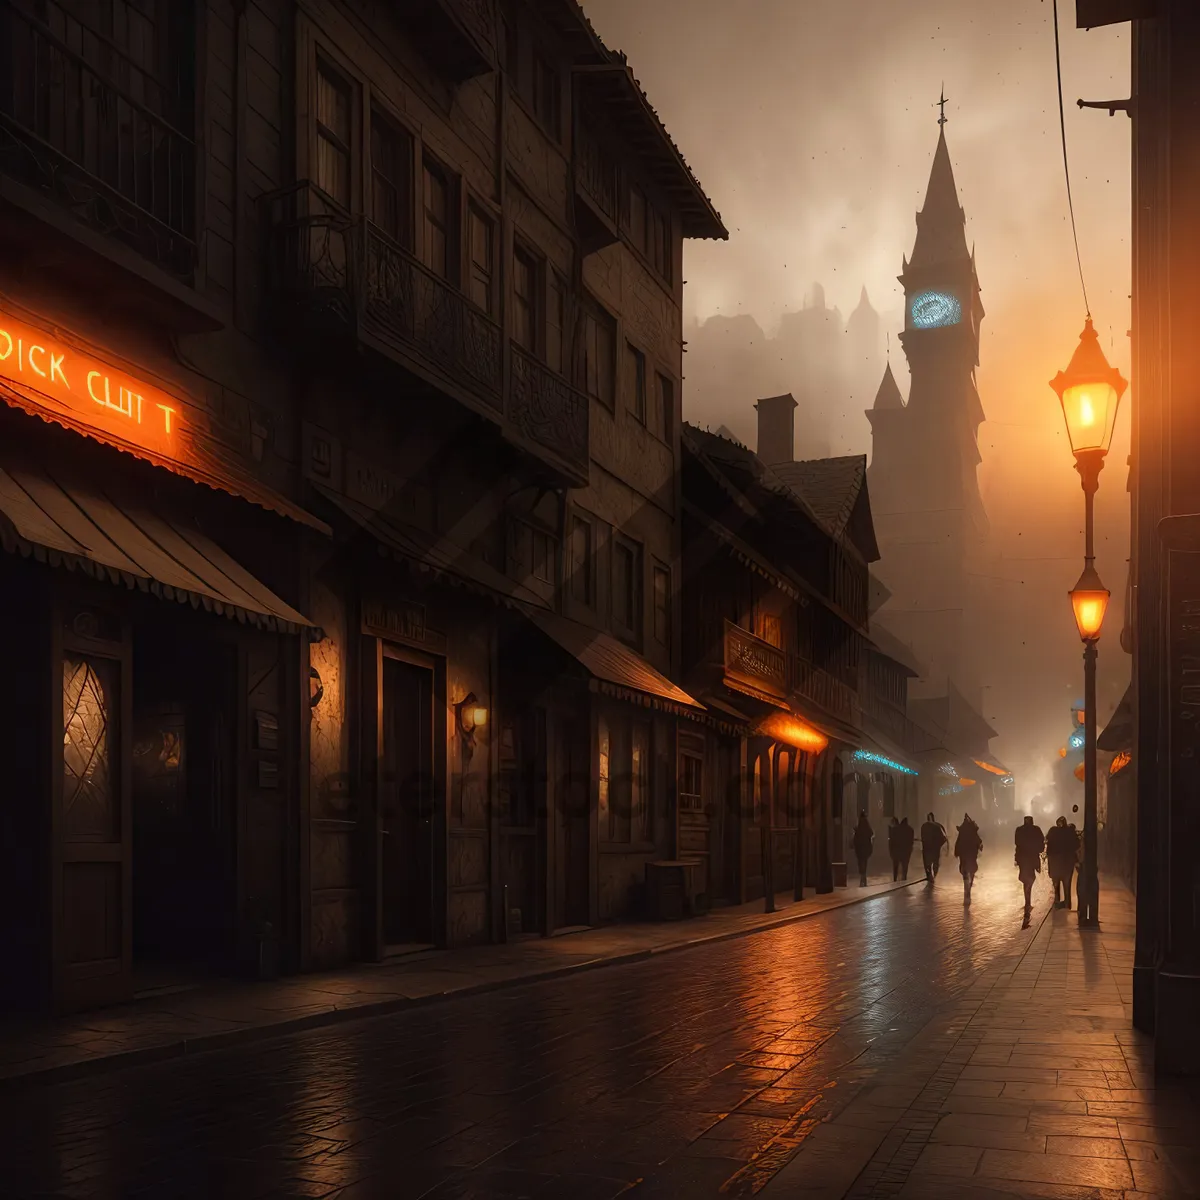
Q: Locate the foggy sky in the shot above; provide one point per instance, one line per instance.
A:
(812, 125)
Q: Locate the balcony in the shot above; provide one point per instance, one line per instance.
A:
(826, 691)
(755, 666)
(335, 277)
(85, 127)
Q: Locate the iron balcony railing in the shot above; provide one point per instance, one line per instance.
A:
(84, 123)
(333, 271)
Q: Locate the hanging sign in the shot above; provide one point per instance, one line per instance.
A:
(67, 382)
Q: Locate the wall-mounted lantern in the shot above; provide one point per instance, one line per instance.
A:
(470, 716)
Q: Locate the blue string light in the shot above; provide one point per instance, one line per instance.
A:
(867, 756)
(952, 790)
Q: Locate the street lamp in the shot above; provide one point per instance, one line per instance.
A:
(1090, 392)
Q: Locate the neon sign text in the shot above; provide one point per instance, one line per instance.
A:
(67, 381)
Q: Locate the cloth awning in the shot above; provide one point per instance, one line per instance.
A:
(611, 663)
(73, 522)
(201, 464)
(437, 554)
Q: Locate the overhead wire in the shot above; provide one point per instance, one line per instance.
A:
(1062, 124)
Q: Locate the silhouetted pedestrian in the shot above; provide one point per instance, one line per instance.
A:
(933, 838)
(863, 841)
(1062, 850)
(1029, 842)
(907, 835)
(967, 848)
(894, 848)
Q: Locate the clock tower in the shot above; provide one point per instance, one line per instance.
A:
(929, 514)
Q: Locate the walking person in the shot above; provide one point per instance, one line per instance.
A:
(1062, 847)
(907, 835)
(1029, 842)
(894, 848)
(967, 848)
(933, 838)
(863, 840)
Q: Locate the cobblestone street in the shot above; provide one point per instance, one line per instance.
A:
(903, 1046)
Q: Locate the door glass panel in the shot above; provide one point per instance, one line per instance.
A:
(90, 809)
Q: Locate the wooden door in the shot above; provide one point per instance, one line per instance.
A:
(91, 812)
(574, 858)
(407, 795)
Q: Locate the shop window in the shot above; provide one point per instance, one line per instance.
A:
(640, 814)
(581, 560)
(635, 367)
(626, 810)
(91, 812)
(691, 783)
(604, 805)
(391, 179)
(481, 233)
(333, 135)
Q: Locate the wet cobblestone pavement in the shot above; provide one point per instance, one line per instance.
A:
(701, 1073)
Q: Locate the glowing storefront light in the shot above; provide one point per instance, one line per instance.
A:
(794, 732)
(1119, 763)
(67, 382)
(867, 756)
(1076, 740)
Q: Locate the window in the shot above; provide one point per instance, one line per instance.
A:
(524, 325)
(436, 245)
(391, 179)
(599, 354)
(556, 320)
(604, 746)
(581, 560)
(543, 557)
(333, 136)
(637, 217)
(482, 237)
(547, 96)
(636, 369)
(626, 589)
(662, 606)
(691, 783)
(666, 405)
(531, 553)
(640, 816)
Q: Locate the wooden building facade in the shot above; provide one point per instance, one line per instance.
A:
(354, 612)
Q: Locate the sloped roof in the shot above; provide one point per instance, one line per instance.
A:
(829, 485)
(941, 223)
(888, 644)
(888, 395)
(1118, 733)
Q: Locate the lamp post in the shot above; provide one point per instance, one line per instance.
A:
(1089, 391)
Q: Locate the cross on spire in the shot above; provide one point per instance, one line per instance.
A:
(942, 105)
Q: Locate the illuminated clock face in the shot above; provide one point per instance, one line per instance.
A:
(935, 310)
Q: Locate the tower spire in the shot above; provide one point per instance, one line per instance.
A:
(942, 105)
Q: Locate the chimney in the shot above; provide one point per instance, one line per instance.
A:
(776, 429)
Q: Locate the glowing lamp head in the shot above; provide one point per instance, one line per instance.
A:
(1090, 392)
(479, 715)
(1089, 600)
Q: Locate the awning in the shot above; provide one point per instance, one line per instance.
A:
(72, 522)
(439, 555)
(614, 666)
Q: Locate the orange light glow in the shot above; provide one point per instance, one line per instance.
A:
(1090, 392)
(1089, 600)
(965, 782)
(1120, 762)
(794, 732)
(1079, 771)
(479, 716)
(989, 768)
(65, 381)
(1062, 752)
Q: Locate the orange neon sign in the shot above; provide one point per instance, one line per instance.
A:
(67, 381)
(794, 732)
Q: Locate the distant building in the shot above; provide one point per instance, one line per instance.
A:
(929, 514)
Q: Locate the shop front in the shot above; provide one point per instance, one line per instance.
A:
(154, 699)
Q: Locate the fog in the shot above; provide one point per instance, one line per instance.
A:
(812, 126)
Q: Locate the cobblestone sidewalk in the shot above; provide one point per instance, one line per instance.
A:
(1034, 1085)
(225, 1014)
